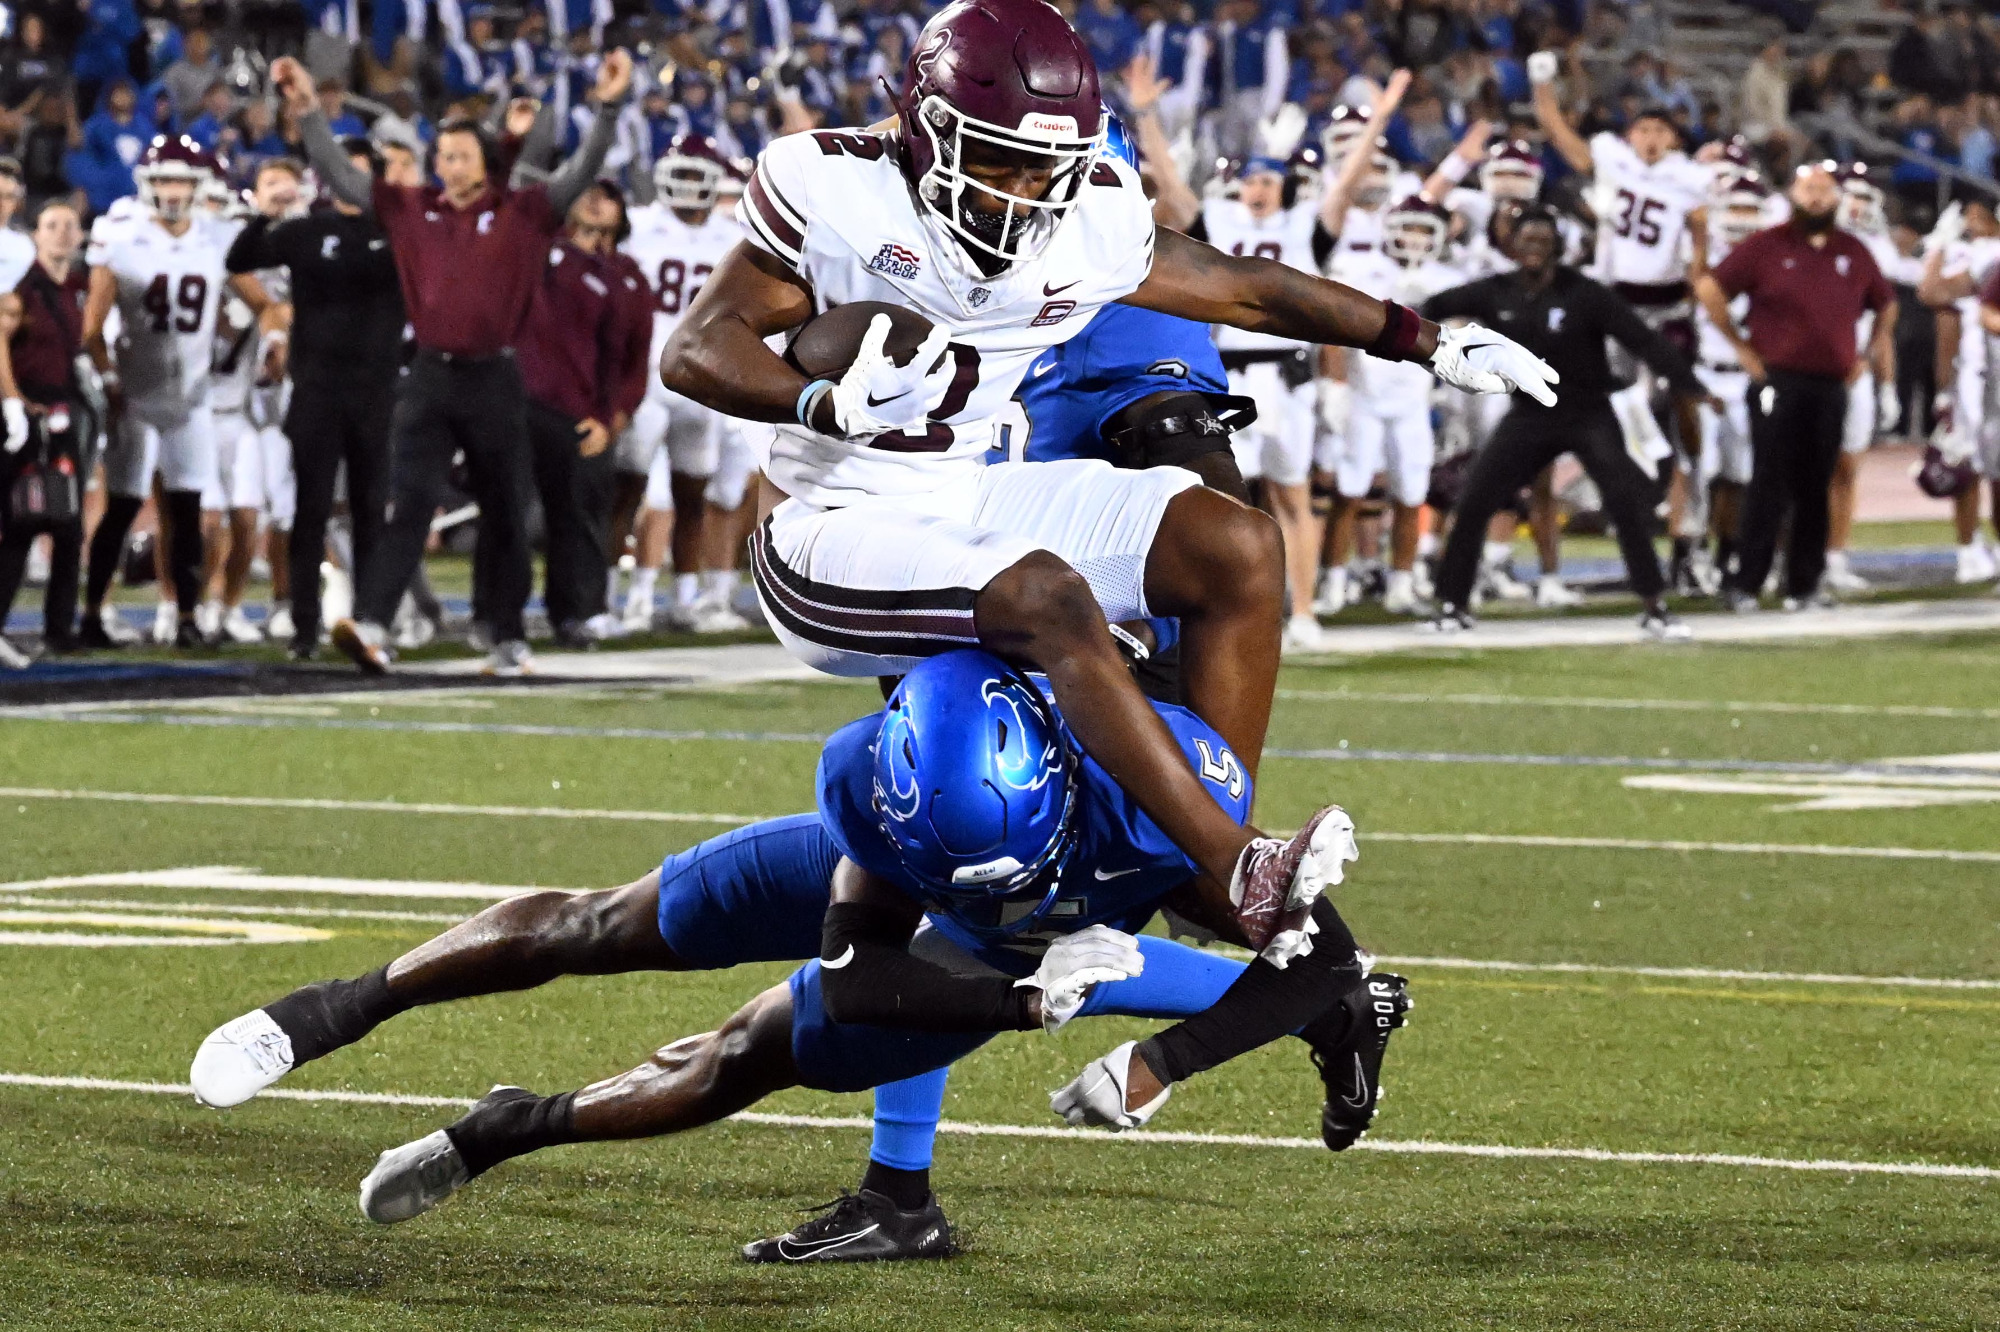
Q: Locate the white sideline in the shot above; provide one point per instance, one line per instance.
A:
(1140, 1136)
(1644, 704)
(1727, 848)
(1691, 973)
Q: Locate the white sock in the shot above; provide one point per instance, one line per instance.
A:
(718, 584)
(643, 582)
(1400, 583)
(687, 587)
(1499, 553)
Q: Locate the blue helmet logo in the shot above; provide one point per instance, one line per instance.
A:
(1118, 141)
(973, 784)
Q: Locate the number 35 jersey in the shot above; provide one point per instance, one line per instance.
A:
(835, 208)
(169, 289)
(1642, 212)
(677, 257)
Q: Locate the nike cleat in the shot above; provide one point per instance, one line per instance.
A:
(862, 1227)
(239, 1059)
(1276, 883)
(363, 644)
(1350, 1065)
(408, 1181)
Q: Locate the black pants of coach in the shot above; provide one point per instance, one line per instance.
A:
(331, 422)
(1794, 447)
(448, 405)
(576, 511)
(1527, 440)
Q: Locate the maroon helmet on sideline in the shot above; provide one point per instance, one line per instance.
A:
(171, 158)
(690, 173)
(1006, 76)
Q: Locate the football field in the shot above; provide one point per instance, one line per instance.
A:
(1704, 944)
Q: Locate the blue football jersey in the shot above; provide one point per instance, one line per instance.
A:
(1123, 864)
(1123, 354)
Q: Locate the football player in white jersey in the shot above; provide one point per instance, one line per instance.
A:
(1960, 253)
(994, 213)
(1735, 214)
(163, 273)
(1389, 410)
(1872, 406)
(17, 251)
(1386, 182)
(677, 241)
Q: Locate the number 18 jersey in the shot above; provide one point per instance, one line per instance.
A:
(169, 289)
(834, 207)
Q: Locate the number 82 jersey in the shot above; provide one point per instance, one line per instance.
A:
(169, 290)
(834, 207)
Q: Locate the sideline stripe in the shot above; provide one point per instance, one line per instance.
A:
(1138, 1136)
(1689, 973)
(232, 909)
(1646, 704)
(676, 816)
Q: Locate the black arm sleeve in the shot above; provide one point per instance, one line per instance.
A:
(1470, 301)
(1263, 1004)
(1622, 323)
(868, 976)
(1323, 242)
(1197, 229)
(254, 248)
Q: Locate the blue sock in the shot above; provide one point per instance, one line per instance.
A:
(906, 1117)
(1178, 981)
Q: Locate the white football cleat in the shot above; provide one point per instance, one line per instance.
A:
(1401, 596)
(1303, 634)
(166, 623)
(116, 631)
(1552, 593)
(278, 624)
(12, 658)
(1332, 598)
(237, 628)
(1975, 563)
(715, 617)
(1840, 575)
(208, 620)
(638, 611)
(409, 1180)
(239, 1059)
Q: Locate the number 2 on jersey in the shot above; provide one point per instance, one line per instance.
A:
(190, 296)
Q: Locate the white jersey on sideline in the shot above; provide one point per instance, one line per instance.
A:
(1285, 236)
(169, 290)
(1642, 232)
(1376, 274)
(677, 256)
(17, 256)
(834, 207)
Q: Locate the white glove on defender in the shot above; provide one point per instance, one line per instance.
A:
(1095, 1098)
(1078, 961)
(1479, 360)
(15, 413)
(876, 396)
(1336, 404)
(1949, 228)
(1542, 66)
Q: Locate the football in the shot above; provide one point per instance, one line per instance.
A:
(825, 345)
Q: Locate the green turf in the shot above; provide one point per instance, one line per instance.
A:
(127, 1210)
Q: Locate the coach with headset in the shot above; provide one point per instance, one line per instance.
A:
(469, 253)
(346, 340)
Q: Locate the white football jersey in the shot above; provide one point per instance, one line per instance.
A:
(17, 256)
(1642, 228)
(1385, 279)
(677, 258)
(834, 206)
(169, 289)
(1975, 256)
(1285, 236)
(1896, 267)
(1713, 350)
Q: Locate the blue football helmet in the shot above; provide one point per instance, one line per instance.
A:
(975, 786)
(1118, 140)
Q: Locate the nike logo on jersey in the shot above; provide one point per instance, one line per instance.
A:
(835, 964)
(1048, 290)
(1042, 369)
(1102, 877)
(792, 1251)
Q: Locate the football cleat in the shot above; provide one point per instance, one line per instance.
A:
(1303, 634)
(509, 658)
(12, 658)
(166, 623)
(1351, 1066)
(1332, 597)
(189, 637)
(278, 624)
(1840, 575)
(1738, 602)
(1276, 883)
(408, 1181)
(1663, 626)
(638, 615)
(1975, 563)
(715, 617)
(239, 1059)
(862, 1227)
(1449, 620)
(1552, 593)
(236, 627)
(363, 644)
(107, 629)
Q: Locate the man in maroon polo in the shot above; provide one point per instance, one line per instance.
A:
(1808, 283)
(580, 352)
(469, 253)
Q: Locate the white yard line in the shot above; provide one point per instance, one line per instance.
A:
(373, 806)
(1644, 704)
(219, 908)
(1140, 1137)
(1693, 973)
(1725, 848)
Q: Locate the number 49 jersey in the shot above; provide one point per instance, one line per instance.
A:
(1642, 220)
(169, 289)
(835, 208)
(677, 257)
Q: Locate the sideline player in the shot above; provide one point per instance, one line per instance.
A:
(163, 272)
(677, 242)
(939, 925)
(1962, 250)
(1737, 213)
(1872, 405)
(993, 214)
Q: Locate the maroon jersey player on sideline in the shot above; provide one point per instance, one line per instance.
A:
(993, 211)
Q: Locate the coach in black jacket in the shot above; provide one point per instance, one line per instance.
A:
(347, 333)
(1564, 318)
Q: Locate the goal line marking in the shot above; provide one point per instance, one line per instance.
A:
(1143, 1137)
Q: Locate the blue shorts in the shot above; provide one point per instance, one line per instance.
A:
(756, 894)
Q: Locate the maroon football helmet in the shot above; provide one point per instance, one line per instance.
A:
(1741, 210)
(1945, 475)
(1006, 75)
(1863, 206)
(690, 173)
(1512, 170)
(175, 157)
(1344, 125)
(1415, 230)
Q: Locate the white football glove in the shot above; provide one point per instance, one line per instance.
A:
(1095, 1098)
(15, 413)
(1336, 403)
(1479, 360)
(1542, 67)
(1888, 406)
(1280, 135)
(876, 396)
(1950, 227)
(1078, 961)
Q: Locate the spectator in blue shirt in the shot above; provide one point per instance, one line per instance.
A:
(333, 101)
(1111, 33)
(1917, 130)
(211, 129)
(1976, 144)
(113, 140)
(109, 27)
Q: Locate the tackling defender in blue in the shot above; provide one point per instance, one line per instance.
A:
(969, 871)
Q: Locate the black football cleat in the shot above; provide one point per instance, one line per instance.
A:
(862, 1227)
(1349, 1054)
